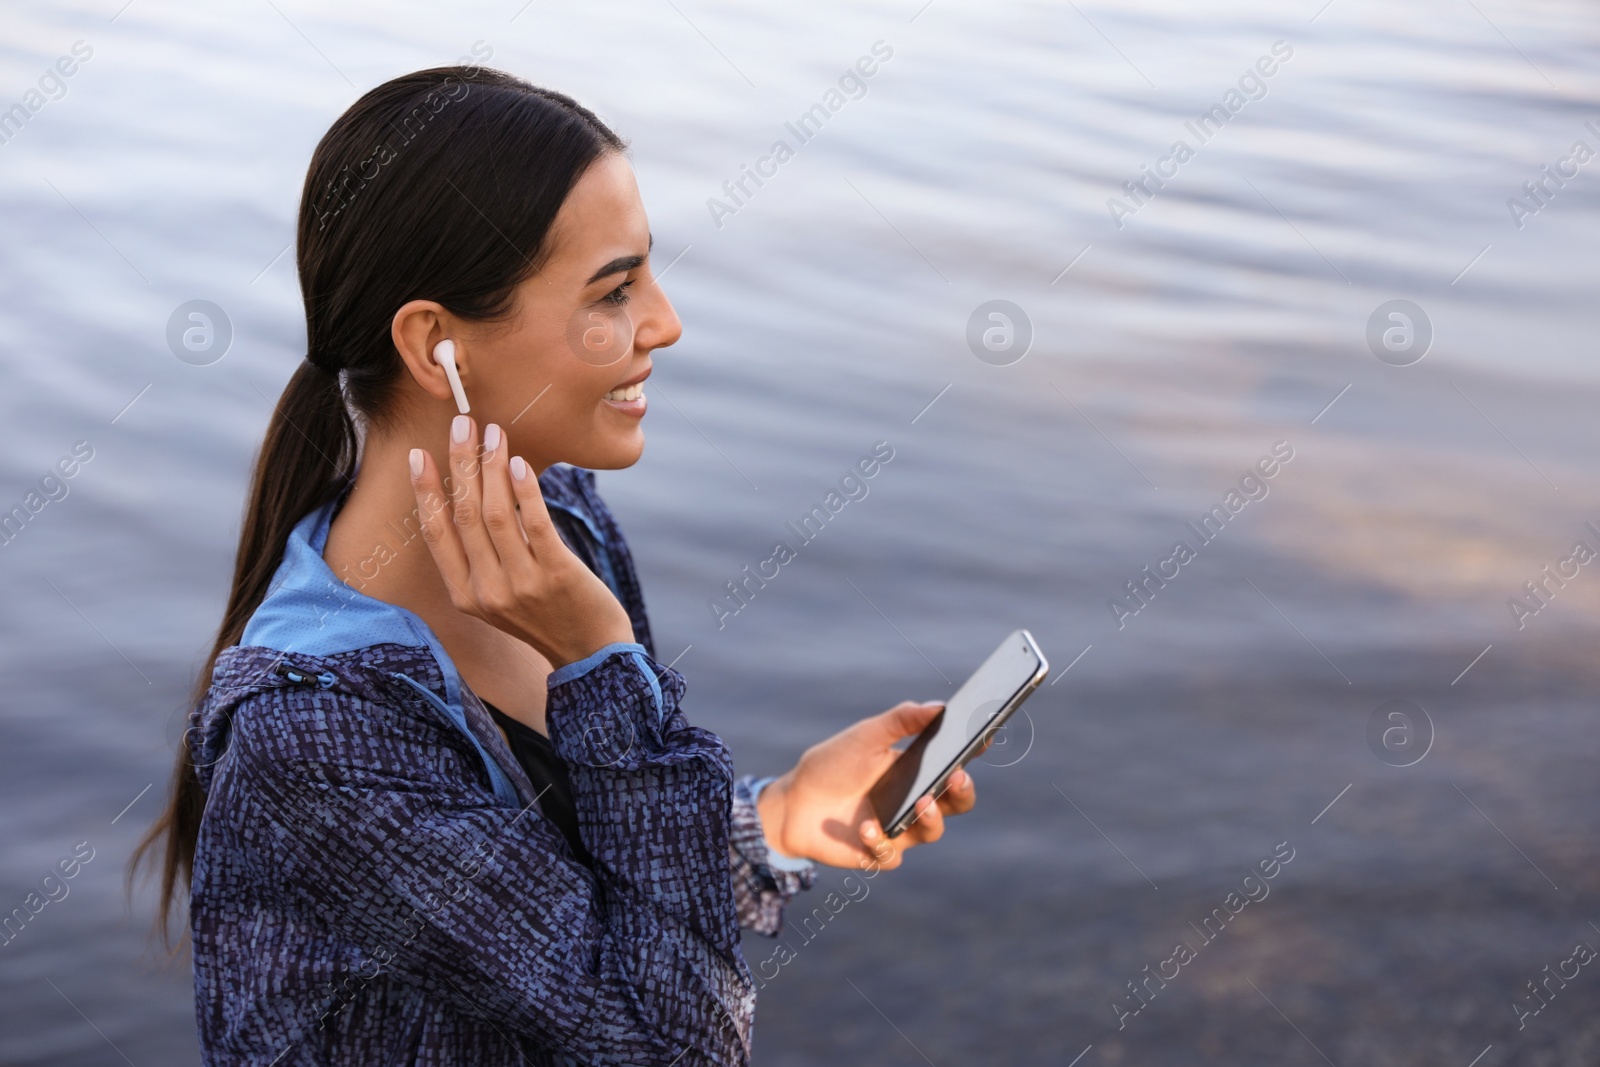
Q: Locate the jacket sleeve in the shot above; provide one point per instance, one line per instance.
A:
(763, 881)
(761, 888)
(431, 882)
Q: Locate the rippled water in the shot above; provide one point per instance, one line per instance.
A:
(830, 311)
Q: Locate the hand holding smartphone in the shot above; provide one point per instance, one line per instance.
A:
(970, 718)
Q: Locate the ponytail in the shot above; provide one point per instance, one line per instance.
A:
(307, 458)
(438, 185)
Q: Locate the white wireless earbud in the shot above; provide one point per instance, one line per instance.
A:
(444, 354)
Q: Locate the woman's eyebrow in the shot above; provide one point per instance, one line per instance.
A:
(620, 265)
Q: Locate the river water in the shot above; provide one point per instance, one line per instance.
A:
(1160, 348)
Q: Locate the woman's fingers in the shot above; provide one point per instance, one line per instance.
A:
(438, 528)
(958, 798)
(530, 587)
(499, 508)
(879, 849)
(534, 516)
(466, 495)
(928, 825)
(960, 795)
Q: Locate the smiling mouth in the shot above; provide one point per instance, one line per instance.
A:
(628, 398)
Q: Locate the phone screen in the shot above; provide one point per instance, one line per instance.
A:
(996, 687)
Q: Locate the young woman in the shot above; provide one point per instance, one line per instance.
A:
(438, 802)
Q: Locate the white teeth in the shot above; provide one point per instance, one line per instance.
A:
(626, 392)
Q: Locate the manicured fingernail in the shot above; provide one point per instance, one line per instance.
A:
(491, 438)
(871, 832)
(416, 463)
(460, 426)
(519, 468)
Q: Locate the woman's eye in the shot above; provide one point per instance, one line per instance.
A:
(619, 295)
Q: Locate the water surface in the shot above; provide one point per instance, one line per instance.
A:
(829, 312)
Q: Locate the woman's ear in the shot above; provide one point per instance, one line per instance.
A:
(417, 328)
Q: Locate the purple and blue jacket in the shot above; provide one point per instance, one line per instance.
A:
(374, 882)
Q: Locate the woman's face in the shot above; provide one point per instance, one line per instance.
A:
(563, 375)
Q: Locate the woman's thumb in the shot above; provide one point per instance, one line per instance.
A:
(907, 718)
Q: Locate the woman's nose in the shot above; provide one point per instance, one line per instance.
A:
(659, 327)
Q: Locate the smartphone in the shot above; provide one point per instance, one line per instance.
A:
(968, 722)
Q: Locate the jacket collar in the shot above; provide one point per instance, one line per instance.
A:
(310, 615)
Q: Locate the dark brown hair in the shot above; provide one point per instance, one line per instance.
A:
(439, 185)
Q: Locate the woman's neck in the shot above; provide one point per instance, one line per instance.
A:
(375, 543)
(375, 546)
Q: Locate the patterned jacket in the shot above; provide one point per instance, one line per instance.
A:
(374, 882)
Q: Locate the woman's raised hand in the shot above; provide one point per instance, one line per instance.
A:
(501, 557)
(820, 809)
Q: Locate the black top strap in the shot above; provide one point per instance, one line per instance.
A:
(549, 777)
